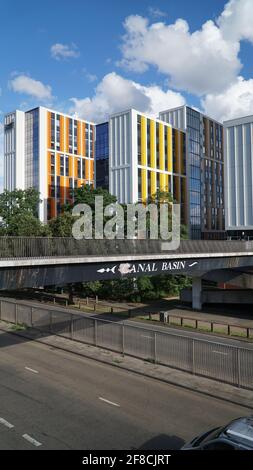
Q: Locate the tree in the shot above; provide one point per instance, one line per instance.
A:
(19, 213)
(61, 226)
(86, 194)
(165, 197)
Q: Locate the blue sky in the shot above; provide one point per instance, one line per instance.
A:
(93, 57)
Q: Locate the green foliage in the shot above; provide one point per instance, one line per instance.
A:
(135, 290)
(26, 225)
(86, 195)
(61, 226)
(18, 201)
(165, 197)
(19, 213)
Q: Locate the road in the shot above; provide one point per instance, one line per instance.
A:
(50, 399)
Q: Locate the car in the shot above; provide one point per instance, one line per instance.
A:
(237, 435)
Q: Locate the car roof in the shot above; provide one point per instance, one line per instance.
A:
(240, 431)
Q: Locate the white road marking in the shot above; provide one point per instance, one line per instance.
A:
(32, 440)
(32, 370)
(6, 423)
(108, 401)
(219, 352)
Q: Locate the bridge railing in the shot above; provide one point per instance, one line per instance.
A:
(44, 247)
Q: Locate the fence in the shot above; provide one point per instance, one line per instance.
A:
(39, 247)
(230, 364)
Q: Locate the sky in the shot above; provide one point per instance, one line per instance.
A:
(96, 57)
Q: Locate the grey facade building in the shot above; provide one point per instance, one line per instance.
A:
(239, 176)
(205, 170)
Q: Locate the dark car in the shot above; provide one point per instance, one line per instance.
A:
(237, 435)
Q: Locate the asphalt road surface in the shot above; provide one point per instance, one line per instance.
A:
(50, 399)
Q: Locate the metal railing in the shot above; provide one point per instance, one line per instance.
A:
(44, 247)
(222, 362)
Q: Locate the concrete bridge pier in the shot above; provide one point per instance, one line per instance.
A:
(197, 293)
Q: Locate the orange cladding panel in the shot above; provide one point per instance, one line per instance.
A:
(71, 166)
(92, 170)
(87, 169)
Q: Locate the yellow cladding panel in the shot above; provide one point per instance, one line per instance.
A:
(161, 147)
(166, 182)
(169, 148)
(144, 189)
(143, 141)
(162, 181)
(152, 148)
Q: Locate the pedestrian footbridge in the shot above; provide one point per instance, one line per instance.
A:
(37, 262)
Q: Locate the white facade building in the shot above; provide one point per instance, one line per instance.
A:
(239, 174)
(146, 155)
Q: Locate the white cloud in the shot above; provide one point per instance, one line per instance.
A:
(91, 77)
(115, 93)
(234, 102)
(199, 62)
(236, 20)
(29, 86)
(156, 13)
(64, 51)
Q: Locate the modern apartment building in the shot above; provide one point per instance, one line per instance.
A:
(50, 151)
(205, 170)
(239, 176)
(146, 155)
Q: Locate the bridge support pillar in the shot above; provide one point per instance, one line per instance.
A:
(197, 293)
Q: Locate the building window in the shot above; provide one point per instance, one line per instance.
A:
(62, 165)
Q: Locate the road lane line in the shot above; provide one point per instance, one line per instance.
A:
(108, 401)
(219, 352)
(6, 423)
(31, 440)
(32, 370)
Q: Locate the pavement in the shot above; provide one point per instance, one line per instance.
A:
(54, 396)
